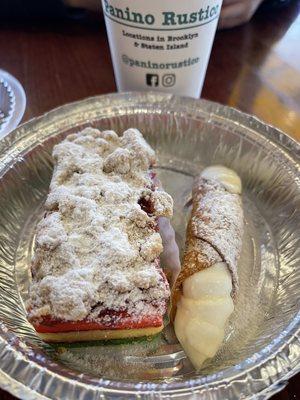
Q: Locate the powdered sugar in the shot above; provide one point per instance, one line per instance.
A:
(96, 249)
(217, 218)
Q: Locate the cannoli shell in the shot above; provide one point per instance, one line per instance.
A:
(214, 233)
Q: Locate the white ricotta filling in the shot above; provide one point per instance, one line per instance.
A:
(227, 177)
(203, 311)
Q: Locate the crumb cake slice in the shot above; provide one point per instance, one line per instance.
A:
(95, 271)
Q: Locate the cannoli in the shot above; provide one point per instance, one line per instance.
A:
(206, 288)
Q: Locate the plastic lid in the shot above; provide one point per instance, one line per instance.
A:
(12, 102)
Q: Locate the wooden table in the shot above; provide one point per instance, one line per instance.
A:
(255, 68)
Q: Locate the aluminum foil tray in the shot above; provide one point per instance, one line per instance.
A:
(261, 350)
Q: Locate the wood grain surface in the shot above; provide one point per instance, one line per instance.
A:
(255, 68)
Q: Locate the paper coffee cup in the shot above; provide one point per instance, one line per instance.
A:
(161, 45)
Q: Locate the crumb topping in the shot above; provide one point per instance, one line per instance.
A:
(97, 246)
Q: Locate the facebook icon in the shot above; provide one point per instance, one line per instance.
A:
(152, 80)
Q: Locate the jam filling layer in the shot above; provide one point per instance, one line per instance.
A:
(116, 320)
